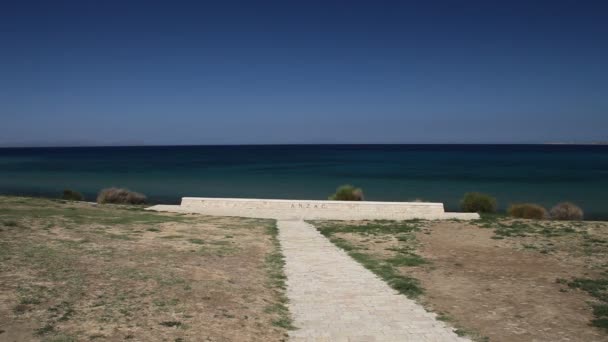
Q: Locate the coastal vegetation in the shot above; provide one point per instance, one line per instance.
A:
(476, 202)
(566, 211)
(528, 211)
(120, 196)
(347, 193)
(76, 271)
(71, 195)
(471, 202)
(598, 289)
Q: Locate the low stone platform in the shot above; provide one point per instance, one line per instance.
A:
(314, 210)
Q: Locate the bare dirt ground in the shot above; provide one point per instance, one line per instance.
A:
(497, 279)
(73, 271)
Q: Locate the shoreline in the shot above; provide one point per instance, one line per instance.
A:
(593, 143)
(498, 214)
(542, 174)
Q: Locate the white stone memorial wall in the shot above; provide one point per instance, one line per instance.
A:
(320, 210)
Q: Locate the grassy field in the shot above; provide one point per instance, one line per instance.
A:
(495, 279)
(74, 271)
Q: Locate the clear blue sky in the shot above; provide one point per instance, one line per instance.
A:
(221, 72)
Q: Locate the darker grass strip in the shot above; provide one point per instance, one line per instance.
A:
(275, 265)
(385, 269)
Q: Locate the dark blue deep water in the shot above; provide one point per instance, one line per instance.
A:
(545, 174)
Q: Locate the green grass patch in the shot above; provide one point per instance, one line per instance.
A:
(403, 284)
(220, 251)
(171, 324)
(406, 260)
(169, 237)
(60, 338)
(118, 236)
(45, 329)
(165, 302)
(504, 228)
(10, 223)
(598, 288)
(369, 227)
(220, 243)
(33, 294)
(61, 312)
(275, 263)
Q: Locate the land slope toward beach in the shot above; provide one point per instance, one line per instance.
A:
(74, 271)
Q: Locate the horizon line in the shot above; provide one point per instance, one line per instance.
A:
(598, 143)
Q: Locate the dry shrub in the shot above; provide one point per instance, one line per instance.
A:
(567, 211)
(71, 195)
(347, 193)
(120, 196)
(475, 202)
(528, 211)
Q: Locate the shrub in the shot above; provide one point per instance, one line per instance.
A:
(120, 196)
(528, 211)
(72, 195)
(347, 193)
(10, 223)
(475, 202)
(567, 211)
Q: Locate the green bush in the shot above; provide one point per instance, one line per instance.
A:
(120, 196)
(347, 193)
(475, 202)
(72, 195)
(10, 223)
(567, 211)
(528, 211)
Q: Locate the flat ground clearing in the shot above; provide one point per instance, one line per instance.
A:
(72, 271)
(494, 279)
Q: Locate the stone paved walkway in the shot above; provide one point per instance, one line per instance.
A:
(333, 298)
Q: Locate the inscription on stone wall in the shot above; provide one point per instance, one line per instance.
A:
(230, 204)
(308, 206)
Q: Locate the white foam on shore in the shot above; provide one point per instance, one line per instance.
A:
(313, 209)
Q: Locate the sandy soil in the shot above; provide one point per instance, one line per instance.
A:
(503, 292)
(72, 272)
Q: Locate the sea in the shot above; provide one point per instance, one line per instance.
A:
(543, 174)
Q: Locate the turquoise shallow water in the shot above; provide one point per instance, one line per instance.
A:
(545, 174)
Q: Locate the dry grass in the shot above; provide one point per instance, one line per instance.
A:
(528, 211)
(566, 211)
(72, 271)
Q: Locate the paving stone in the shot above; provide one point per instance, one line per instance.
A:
(334, 298)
